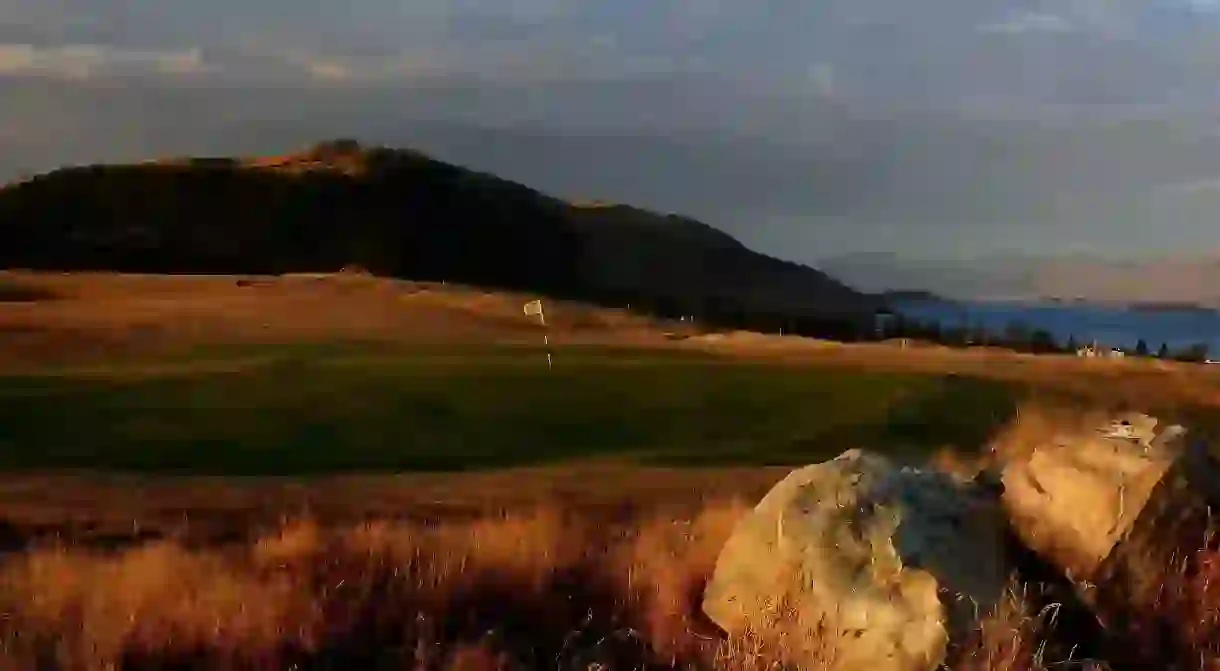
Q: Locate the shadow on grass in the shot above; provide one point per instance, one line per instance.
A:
(316, 411)
(12, 291)
(322, 409)
(957, 412)
(914, 419)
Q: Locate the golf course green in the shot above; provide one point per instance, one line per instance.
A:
(298, 410)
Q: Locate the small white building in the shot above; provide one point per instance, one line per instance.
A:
(1095, 351)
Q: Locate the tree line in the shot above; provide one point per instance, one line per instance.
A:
(1016, 336)
(1021, 337)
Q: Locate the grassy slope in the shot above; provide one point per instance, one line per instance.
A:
(398, 213)
(560, 586)
(299, 410)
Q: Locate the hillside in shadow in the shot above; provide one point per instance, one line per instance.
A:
(400, 213)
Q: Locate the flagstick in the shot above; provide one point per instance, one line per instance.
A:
(546, 339)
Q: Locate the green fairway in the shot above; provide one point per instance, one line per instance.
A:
(314, 409)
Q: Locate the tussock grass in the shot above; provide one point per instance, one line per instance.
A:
(543, 589)
(515, 591)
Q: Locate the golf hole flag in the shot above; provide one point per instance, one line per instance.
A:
(535, 308)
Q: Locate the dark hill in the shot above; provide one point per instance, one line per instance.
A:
(397, 213)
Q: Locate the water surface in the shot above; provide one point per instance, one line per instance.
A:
(1110, 326)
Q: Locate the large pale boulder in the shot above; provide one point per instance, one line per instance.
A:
(856, 563)
(1077, 495)
(1120, 506)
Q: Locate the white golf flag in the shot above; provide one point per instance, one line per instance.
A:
(535, 308)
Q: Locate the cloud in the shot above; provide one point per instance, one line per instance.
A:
(270, 61)
(83, 61)
(290, 65)
(1022, 23)
(932, 53)
(1189, 186)
(868, 122)
(823, 77)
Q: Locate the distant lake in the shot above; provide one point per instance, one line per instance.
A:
(1110, 326)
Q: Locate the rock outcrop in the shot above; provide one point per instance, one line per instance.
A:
(1076, 497)
(1116, 508)
(857, 563)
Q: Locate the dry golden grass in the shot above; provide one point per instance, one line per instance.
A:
(1007, 640)
(518, 591)
(551, 587)
(93, 609)
(504, 592)
(96, 316)
(1169, 615)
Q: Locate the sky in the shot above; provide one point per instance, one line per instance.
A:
(935, 129)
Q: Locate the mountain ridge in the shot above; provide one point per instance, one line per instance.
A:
(1075, 277)
(397, 212)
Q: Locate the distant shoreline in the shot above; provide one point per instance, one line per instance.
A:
(1170, 306)
(1053, 302)
(916, 296)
